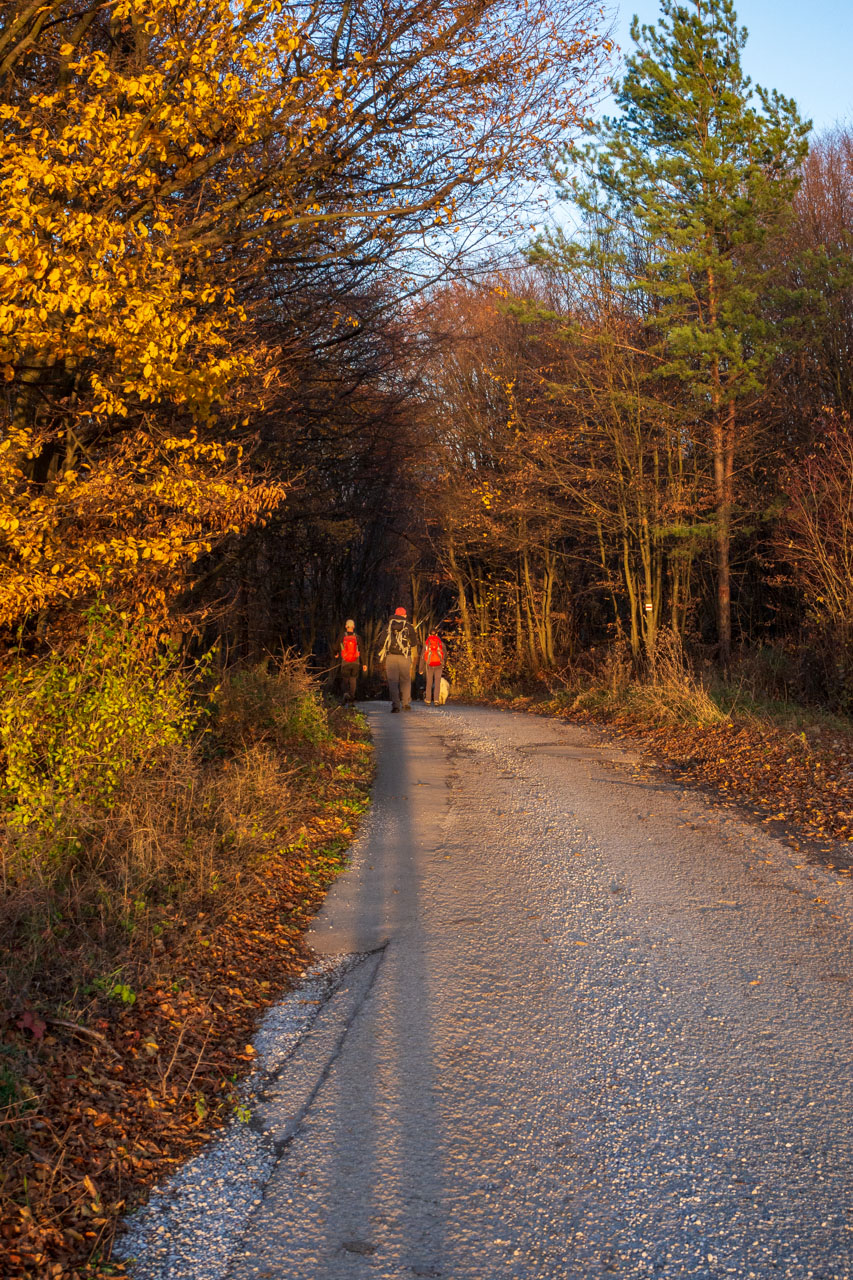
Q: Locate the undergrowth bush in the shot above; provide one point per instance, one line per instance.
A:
(72, 727)
(262, 705)
(135, 793)
(484, 666)
(787, 681)
(608, 684)
(670, 693)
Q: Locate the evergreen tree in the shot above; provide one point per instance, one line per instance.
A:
(708, 169)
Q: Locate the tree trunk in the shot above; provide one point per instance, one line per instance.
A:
(464, 612)
(634, 602)
(529, 604)
(723, 441)
(519, 622)
(617, 618)
(548, 606)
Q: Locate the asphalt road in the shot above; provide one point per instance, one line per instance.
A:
(600, 1026)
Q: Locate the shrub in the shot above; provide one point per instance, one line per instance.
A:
(484, 665)
(815, 541)
(669, 694)
(279, 706)
(133, 791)
(73, 726)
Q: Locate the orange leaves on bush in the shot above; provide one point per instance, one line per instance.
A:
(149, 510)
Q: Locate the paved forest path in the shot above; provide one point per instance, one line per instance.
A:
(602, 1027)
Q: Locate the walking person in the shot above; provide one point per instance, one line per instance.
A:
(432, 666)
(398, 648)
(349, 654)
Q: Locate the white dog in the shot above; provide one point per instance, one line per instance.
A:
(444, 692)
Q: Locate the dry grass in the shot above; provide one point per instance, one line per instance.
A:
(608, 687)
(142, 948)
(84, 907)
(670, 694)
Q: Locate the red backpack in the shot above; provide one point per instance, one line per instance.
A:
(349, 648)
(433, 651)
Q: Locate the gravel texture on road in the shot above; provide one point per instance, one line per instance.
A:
(592, 1025)
(190, 1226)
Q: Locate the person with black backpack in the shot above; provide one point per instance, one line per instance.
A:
(398, 649)
(349, 653)
(432, 665)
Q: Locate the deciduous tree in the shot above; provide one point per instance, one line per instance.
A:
(158, 163)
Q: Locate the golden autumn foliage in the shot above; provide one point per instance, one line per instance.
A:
(105, 260)
(105, 312)
(157, 161)
(132, 523)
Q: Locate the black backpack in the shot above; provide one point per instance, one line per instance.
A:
(397, 640)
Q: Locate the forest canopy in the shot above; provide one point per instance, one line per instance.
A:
(199, 199)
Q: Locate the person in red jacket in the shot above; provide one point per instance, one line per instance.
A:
(349, 653)
(432, 666)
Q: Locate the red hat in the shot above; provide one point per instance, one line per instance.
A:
(400, 613)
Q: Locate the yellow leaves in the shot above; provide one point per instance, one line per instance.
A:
(99, 75)
(117, 191)
(143, 516)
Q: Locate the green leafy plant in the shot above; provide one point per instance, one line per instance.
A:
(276, 707)
(73, 726)
(121, 991)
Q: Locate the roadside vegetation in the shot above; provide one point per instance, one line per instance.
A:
(166, 840)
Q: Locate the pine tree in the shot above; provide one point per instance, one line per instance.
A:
(708, 167)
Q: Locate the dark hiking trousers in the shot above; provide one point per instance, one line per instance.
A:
(349, 676)
(433, 682)
(398, 673)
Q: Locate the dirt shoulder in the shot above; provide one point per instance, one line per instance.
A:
(97, 1106)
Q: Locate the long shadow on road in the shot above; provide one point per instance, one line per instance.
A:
(363, 1174)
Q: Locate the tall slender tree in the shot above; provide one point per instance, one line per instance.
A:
(708, 167)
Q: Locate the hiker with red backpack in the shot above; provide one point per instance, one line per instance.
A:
(432, 666)
(399, 648)
(349, 653)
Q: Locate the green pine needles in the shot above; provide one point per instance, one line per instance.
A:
(701, 168)
(709, 174)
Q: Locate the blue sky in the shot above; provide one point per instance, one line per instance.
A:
(803, 48)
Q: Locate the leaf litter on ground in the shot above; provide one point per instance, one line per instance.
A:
(94, 1112)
